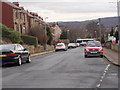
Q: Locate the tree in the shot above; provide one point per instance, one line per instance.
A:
(112, 32)
(50, 38)
(63, 35)
(117, 36)
(39, 32)
(93, 29)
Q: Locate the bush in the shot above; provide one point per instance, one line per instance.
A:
(38, 31)
(30, 40)
(9, 33)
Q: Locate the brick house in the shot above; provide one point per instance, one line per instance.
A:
(14, 17)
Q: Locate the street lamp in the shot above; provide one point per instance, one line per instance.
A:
(96, 33)
(68, 35)
(45, 47)
(99, 24)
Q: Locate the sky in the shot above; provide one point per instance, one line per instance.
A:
(71, 10)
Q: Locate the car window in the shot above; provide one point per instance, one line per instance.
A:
(2, 47)
(60, 44)
(93, 44)
(19, 47)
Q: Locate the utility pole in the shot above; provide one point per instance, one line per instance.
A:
(68, 36)
(100, 30)
(118, 13)
(45, 47)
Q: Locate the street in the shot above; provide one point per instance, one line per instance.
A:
(64, 69)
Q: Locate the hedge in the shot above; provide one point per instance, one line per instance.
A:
(10, 34)
(30, 40)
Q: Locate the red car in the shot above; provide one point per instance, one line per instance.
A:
(93, 48)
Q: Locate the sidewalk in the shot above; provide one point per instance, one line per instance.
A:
(42, 53)
(112, 56)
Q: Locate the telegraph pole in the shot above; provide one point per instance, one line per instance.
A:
(100, 30)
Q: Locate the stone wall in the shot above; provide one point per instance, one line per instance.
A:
(38, 49)
(111, 46)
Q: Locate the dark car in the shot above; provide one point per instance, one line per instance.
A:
(14, 53)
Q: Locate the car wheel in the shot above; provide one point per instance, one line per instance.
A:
(19, 62)
(28, 59)
(101, 56)
(85, 56)
(56, 50)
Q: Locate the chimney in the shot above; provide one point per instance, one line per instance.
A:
(16, 3)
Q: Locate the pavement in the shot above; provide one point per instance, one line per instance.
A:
(42, 53)
(112, 56)
(64, 69)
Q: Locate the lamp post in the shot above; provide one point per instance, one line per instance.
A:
(99, 24)
(96, 34)
(68, 35)
(45, 47)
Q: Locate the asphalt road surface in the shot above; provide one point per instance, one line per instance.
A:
(64, 69)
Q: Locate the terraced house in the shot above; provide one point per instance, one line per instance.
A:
(20, 19)
(14, 16)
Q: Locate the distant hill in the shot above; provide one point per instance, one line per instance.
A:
(107, 22)
(77, 29)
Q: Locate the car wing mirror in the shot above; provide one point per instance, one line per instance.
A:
(84, 45)
(103, 45)
(25, 49)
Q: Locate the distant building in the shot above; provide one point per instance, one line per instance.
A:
(56, 32)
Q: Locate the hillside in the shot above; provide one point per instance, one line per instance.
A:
(78, 29)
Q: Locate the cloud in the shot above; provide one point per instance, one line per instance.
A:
(71, 10)
(72, 7)
(77, 16)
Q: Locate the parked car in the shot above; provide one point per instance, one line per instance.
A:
(72, 45)
(93, 48)
(14, 53)
(61, 46)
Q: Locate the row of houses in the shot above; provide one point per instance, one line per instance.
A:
(14, 16)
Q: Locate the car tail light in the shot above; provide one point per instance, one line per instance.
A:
(11, 54)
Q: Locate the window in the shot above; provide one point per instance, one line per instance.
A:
(24, 18)
(21, 28)
(19, 47)
(16, 15)
(17, 27)
(20, 15)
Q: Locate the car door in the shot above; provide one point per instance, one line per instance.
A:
(21, 51)
(25, 53)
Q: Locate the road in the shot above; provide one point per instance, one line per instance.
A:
(65, 69)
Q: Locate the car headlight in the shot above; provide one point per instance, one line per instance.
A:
(87, 49)
(100, 49)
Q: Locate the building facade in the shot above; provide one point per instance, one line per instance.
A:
(15, 17)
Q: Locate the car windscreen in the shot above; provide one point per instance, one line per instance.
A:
(3, 47)
(93, 44)
(59, 44)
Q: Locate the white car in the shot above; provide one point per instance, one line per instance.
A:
(72, 45)
(61, 46)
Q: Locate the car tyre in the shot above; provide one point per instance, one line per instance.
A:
(56, 50)
(101, 56)
(19, 62)
(28, 59)
(85, 56)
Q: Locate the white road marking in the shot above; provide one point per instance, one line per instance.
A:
(104, 74)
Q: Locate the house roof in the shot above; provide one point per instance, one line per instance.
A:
(11, 4)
